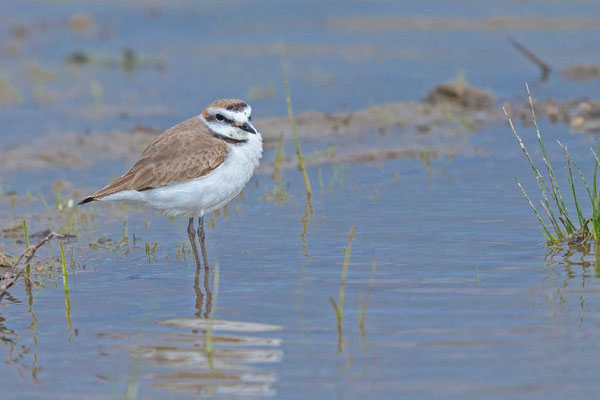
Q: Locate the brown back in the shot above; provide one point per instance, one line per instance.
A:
(184, 152)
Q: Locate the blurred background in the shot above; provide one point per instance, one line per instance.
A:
(451, 290)
(89, 66)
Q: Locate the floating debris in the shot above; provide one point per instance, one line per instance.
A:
(128, 60)
(533, 58)
(18, 268)
(582, 72)
(12, 232)
(19, 31)
(6, 261)
(38, 74)
(42, 234)
(589, 109)
(9, 93)
(587, 117)
(81, 23)
(580, 236)
(459, 92)
(78, 57)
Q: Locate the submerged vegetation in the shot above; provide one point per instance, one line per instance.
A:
(361, 313)
(279, 195)
(18, 268)
(301, 165)
(564, 226)
(339, 306)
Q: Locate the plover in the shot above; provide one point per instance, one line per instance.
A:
(193, 168)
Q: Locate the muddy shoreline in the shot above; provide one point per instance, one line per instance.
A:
(446, 111)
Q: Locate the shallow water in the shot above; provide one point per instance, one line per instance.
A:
(466, 300)
(187, 56)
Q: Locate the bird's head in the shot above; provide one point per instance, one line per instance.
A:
(230, 119)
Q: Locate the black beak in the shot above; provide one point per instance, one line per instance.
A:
(248, 128)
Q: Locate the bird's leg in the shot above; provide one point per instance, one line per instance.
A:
(201, 237)
(192, 236)
(199, 294)
(208, 294)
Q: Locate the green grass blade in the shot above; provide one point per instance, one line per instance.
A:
(596, 220)
(596, 167)
(572, 184)
(548, 214)
(555, 193)
(362, 314)
(339, 306)
(596, 201)
(28, 268)
(538, 176)
(63, 264)
(547, 232)
(585, 182)
(301, 165)
(340, 302)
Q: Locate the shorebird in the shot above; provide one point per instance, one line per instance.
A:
(193, 168)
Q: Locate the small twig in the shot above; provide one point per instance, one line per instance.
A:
(528, 54)
(15, 272)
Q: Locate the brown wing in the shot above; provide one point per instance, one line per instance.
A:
(185, 152)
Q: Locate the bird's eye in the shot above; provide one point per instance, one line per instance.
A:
(219, 117)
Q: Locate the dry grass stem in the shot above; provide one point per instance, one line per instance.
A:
(17, 270)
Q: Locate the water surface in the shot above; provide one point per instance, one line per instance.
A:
(466, 301)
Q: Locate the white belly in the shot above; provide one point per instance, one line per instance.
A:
(203, 195)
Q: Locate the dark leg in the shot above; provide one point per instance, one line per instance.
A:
(208, 294)
(201, 237)
(192, 236)
(199, 294)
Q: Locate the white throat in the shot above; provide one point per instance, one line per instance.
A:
(234, 125)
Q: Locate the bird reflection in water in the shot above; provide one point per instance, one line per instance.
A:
(200, 295)
(199, 357)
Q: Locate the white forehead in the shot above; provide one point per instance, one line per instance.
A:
(240, 116)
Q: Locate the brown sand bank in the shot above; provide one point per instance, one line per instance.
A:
(449, 108)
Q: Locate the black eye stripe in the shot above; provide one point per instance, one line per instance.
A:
(222, 118)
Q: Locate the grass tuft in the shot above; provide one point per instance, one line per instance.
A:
(564, 227)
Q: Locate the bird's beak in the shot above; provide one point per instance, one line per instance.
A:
(248, 128)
